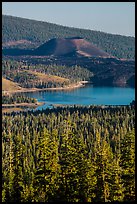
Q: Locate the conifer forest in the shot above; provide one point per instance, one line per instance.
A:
(71, 154)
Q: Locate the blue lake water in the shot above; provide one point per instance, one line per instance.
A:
(88, 95)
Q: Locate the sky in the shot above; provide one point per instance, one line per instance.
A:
(110, 17)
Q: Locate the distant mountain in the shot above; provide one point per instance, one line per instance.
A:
(67, 46)
(74, 46)
(29, 34)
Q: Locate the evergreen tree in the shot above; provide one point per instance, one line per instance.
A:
(104, 164)
(46, 168)
(127, 163)
(116, 192)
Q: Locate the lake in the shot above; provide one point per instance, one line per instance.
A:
(88, 95)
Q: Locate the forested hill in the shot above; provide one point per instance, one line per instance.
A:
(77, 154)
(31, 33)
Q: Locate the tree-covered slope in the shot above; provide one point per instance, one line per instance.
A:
(31, 33)
(77, 154)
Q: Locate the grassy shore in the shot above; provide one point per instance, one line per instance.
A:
(72, 86)
(19, 106)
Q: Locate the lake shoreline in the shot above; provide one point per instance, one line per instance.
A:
(25, 90)
(20, 106)
(23, 104)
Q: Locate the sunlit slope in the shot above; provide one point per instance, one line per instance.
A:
(8, 85)
(48, 78)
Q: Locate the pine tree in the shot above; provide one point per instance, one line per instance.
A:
(46, 168)
(127, 163)
(77, 173)
(116, 191)
(18, 182)
(104, 164)
(8, 171)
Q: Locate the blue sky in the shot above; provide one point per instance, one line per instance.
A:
(110, 17)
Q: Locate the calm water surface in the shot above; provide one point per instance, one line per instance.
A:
(87, 95)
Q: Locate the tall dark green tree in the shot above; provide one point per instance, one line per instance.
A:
(104, 165)
(46, 168)
(127, 163)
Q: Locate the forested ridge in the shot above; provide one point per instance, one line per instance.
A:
(10, 99)
(33, 33)
(28, 75)
(72, 154)
(44, 72)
